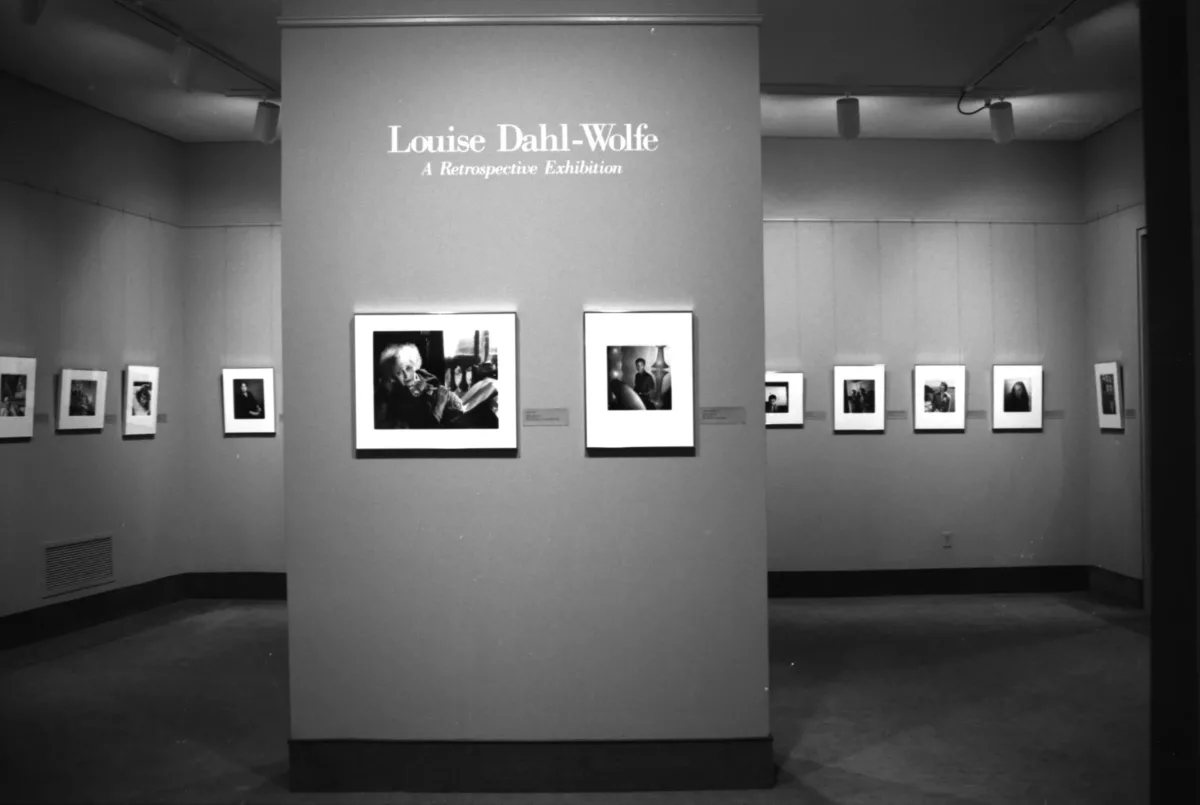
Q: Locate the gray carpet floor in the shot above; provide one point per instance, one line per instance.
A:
(954, 700)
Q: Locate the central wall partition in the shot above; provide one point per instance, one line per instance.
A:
(550, 620)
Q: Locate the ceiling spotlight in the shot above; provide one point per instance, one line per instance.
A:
(179, 69)
(266, 122)
(1055, 48)
(847, 118)
(31, 10)
(1002, 121)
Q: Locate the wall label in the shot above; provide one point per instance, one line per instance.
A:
(814, 415)
(110, 419)
(41, 419)
(735, 415)
(545, 417)
(897, 415)
(591, 139)
(977, 413)
(1131, 413)
(162, 419)
(1055, 415)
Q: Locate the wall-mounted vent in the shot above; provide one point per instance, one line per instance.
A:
(72, 566)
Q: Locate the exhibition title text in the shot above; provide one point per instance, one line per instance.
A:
(546, 138)
(604, 141)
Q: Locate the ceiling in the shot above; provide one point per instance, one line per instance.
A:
(906, 60)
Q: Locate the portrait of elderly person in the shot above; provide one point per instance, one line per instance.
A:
(408, 396)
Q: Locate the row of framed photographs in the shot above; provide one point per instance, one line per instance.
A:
(249, 396)
(939, 397)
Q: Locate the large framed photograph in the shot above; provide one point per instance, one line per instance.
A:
(17, 380)
(940, 397)
(1110, 398)
(1016, 397)
(858, 398)
(81, 399)
(783, 398)
(639, 380)
(249, 400)
(426, 381)
(141, 400)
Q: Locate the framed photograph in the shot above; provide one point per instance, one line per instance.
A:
(783, 397)
(1016, 397)
(1110, 400)
(17, 381)
(639, 380)
(858, 398)
(939, 398)
(141, 400)
(427, 381)
(81, 399)
(249, 400)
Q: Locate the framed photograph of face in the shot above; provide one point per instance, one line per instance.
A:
(249, 400)
(939, 398)
(783, 396)
(141, 400)
(1109, 397)
(81, 399)
(1016, 397)
(426, 381)
(858, 397)
(17, 381)
(639, 380)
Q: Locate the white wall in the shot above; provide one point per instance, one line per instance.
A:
(554, 596)
(1114, 189)
(83, 286)
(1024, 281)
(231, 243)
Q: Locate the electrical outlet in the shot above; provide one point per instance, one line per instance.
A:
(947, 539)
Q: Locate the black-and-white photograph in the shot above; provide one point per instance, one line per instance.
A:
(1017, 398)
(140, 400)
(83, 398)
(776, 398)
(939, 396)
(12, 395)
(436, 379)
(859, 397)
(1109, 401)
(1108, 394)
(639, 378)
(249, 402)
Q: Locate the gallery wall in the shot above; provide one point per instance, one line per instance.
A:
(230, 249)
(908, 252)
(553, 596)
(1114, 195)
(89, 286)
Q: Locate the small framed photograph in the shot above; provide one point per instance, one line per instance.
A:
(940, 398)
(81, 399)
(783, 394)
(433, 381)
(1016, 397)
(249, 400)
(141, 400)
(17, 380)
(639, 380)
(1110, 400)
(859, 398)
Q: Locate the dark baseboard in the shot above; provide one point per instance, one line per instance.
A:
(933, 581)
(1120, 588)
(32, 625)
(530, 766)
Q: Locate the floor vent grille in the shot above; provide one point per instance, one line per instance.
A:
(72, 566)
